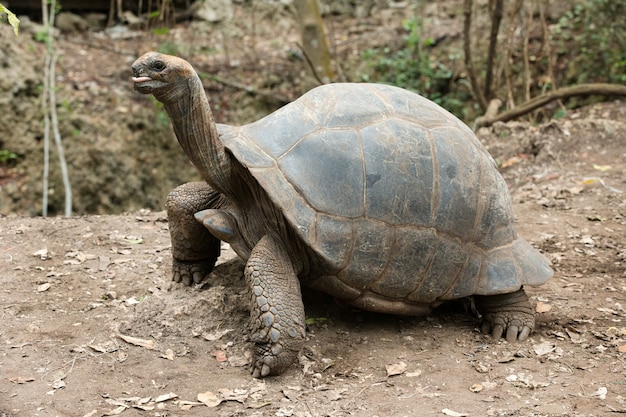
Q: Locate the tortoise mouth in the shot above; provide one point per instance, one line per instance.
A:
(146, 85)
(141, 79)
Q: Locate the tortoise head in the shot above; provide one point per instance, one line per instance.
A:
(166, 77)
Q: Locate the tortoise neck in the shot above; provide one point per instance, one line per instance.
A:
(194, 126)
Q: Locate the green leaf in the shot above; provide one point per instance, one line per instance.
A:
(13, 20)
(137, 241)
(160, 31)
(316, 320)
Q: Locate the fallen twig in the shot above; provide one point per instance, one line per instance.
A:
(602, 89)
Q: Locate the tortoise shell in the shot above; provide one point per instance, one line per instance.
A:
(391, 193)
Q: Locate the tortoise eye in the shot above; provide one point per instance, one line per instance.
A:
(158, 66)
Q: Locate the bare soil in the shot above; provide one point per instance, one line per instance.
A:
(91, 325)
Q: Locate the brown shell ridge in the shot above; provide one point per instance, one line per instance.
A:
(480, 203)
(455, 281)
(420, 282)
(387, 262)
(435, 198)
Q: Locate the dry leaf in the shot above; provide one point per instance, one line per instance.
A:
(107, 347)
(169, 354)
(146, 343)
(238, 394)
(543, 348)
(238, 360)
(21, 380)
(543, 307)
(220, 355)
(188, 405)
(510, 162)
(595, 180)
(116, 411)
(396, 368)
(58, 384)
(574, 335)
(602, 167)
(481, 367)
(216, 335)
(42, 254)
(44, 287)
(600, 393)
(148, 407)
(209, 399)
(476, 388)
(165, 397)
(451, 413)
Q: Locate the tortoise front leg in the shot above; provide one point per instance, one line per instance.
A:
(194, 249)
(510, 315)
(276, 310)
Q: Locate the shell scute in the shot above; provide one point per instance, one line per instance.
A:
(373, 242)
(398, 160)
(327, 170)
(394, 197)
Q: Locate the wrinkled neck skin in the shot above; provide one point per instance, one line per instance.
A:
(188, 108)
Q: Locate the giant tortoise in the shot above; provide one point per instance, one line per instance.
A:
(368, 192)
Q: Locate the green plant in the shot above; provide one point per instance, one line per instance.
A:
(42, 36)
(591, 37)
(6, 156)
(412, 67)
(169, 48)
(13, 20)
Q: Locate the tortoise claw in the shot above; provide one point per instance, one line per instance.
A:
(190, 273)
(508, 315)
(524, 333)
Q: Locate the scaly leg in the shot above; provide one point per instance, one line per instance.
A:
(194, 249)
(276, 310)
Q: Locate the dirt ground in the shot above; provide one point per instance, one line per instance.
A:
(93, 326)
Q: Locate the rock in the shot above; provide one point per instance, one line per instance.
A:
(70, 22)
(212, 10)
(96, 21)
(132, 21)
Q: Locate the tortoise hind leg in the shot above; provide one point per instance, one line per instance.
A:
(510, 315)
(194, 249)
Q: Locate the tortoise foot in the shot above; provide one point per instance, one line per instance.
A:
(271, 359)
(191, 272)
(510, 315)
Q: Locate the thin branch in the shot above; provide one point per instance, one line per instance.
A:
(601, 89)
(510, 99)
(46, 118)
(307, 58)
(50, 113)
(527, 79)
(467, 11)
(496, 18)
(57, 138)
